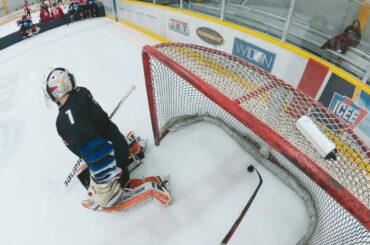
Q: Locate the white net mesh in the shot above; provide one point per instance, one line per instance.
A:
(210, 75)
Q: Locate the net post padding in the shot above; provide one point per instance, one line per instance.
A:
(280, 144)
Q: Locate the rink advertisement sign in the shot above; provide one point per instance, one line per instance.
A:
(210, 36)
(364, 102)
(177, 25)
(254, 54)
(347, 110)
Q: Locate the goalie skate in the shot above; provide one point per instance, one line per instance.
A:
(153, 187)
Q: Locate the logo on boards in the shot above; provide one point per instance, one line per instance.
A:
(347, 110)
(178, 26)
(254, 54)
(210, 36)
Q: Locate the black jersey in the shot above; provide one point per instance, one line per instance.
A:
(81, 120)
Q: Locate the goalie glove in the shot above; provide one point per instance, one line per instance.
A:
(136, 147)
(130, 138)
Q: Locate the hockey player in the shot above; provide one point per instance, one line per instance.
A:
(26, 27)
(92, 7)
(56, 12)
(44, 14)
(26, 9)
(43, 5)
(60, 3)
(74, 10)
(89, 133)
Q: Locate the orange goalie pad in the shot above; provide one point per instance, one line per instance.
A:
(143, 190)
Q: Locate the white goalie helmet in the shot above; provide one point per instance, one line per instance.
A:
(59, 82)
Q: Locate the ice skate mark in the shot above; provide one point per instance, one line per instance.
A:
(8, 85)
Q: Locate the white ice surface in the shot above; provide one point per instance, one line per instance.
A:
(208, 169)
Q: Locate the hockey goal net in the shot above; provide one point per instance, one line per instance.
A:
(187, 81)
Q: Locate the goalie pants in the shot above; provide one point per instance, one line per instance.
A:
(121, 149)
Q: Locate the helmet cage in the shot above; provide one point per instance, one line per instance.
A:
(70, 76)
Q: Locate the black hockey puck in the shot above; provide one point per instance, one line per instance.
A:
(250, 168)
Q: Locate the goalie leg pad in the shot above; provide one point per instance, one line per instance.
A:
(159, 187)
(143, 193)
(136, 182)
(155, 179)
(143, 190)
(161, 194)
(103, 195)
(133, 197)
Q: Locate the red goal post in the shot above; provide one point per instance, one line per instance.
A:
(186, 81)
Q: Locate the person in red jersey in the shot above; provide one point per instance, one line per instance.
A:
(56, 12)
(350, 37)
(26, 8)
(44, 14)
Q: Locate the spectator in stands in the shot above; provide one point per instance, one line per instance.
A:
(26, 9)
(350, 37)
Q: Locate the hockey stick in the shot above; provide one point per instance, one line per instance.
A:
(80, 165)
(241, 216)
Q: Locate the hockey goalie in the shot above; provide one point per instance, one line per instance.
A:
(88, 132)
